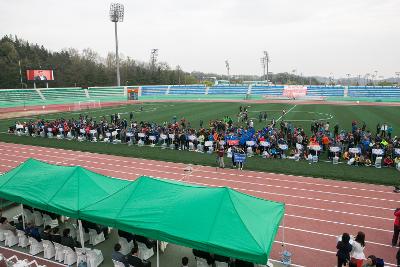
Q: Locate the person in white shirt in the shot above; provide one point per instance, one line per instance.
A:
(357, 252)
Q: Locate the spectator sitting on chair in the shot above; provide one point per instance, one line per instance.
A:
(149, 243)
(98, 228)
(118, 256)
(20, 224)
(68, 241)
(55, 235)
(128, 236)
(388, 161)
(5, 225)
(185, 262)
(134, 260)
(32, 231)
(46, 234)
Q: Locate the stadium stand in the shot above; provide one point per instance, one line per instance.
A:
(17, 95)
(325, 90)
(63, 93)
(187, 89)
(110, 93)
(228, 90)
(275, 90)
(374, 91)
(149, 90)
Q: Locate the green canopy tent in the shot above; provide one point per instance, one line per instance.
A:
(59, 189)
(219, 220)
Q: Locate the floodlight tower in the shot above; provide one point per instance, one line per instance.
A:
(267, 60)
(348, 79)
(227, 67)
(117, 15)
(398, 77)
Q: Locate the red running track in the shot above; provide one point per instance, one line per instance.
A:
(317, 210)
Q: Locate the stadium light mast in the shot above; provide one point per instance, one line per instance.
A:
(348, 79)
(228, 68)
(398, 77)
(267, 61)
(153, 58)
(117, 15)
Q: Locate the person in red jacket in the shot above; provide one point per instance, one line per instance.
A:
(396, 230)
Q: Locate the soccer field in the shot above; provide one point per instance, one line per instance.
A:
(298, 115)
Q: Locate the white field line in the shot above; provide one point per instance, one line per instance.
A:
(286, 113)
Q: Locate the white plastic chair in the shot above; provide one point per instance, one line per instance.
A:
(315, 159)
(144, 252)
(47, 220)
(335, 160)
(80, 255)
(118, 264)
(69, 256)
(378, 162)
(163, 246)
(28, 216)
(200, 262)
(221, 264)
(23, 241)
(49, 249)
(95, 238)
(2, 237)
(10, 238)
(125, 246)
(35, 246)
(59, 252)
(38, 218)
(94, 257)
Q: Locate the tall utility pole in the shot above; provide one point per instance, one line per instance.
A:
(178, 69)
(267, 61)
(228, 68)
(398, 77)
(117, 15)
(366, 78)
(153, 58)
(375, 77)
(263, 65)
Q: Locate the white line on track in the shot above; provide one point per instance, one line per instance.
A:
(146, 162)
(197, 176)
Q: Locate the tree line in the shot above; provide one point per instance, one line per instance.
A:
(87, 68)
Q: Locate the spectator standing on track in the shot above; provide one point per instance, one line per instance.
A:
(396, 229)
(344, 248)
(357, 252)
(221, 153)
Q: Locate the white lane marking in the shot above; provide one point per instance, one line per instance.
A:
(145, 162)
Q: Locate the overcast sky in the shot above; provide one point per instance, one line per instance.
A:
(316, 37)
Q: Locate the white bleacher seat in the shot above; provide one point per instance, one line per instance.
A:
(118, 264)
(10, 238)
(200, 262)
(69, 256)
(144, 252)
(2, 237)
(35, 246)
(59, 252)
(38, 218)
(378, 162)
(23, 241)
(49, 250)
(125, 246)
(95, 238)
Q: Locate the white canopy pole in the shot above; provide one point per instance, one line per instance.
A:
(158, 256)
(81, 234)
(23, 216)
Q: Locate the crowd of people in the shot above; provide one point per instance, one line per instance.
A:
(275, 139)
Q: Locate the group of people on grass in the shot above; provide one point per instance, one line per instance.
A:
(274, 139)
